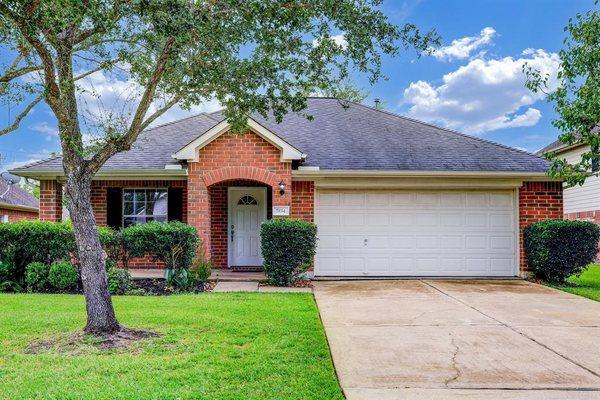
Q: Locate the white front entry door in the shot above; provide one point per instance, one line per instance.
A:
(247, 210)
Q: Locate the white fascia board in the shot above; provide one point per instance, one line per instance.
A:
(143, 174)
(18, 207)
(386, 173)
(288, 152)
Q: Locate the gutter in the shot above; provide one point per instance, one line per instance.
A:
(107, 174)
(18, 207)
(319, 173)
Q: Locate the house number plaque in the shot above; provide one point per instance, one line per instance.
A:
(281, 211)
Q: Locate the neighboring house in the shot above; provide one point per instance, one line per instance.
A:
(391, 196)
(580, 202)
(16, 203)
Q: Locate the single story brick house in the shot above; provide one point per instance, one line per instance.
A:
(16, 203)
(391, 196)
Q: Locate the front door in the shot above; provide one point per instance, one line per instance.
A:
(247, 210)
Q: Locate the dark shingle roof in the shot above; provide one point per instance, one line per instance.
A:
(355, 137)
(16, 196)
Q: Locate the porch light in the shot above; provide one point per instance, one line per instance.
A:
(282, 188)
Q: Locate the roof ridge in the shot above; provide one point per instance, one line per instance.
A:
(504, 146)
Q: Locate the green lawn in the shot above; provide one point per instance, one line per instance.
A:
(214, 346)
(588, 284)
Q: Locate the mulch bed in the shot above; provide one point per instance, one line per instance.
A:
(302, 283)
(158, 287)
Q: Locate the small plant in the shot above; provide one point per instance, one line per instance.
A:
(63, 275)
(36, 276)
(9, 280)
(200, 271)
(119, 280)
(557, 249)
(288, 248)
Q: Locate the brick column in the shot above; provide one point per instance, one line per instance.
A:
(537, 201)
(50, 201)
(198, 205)
(303, 200)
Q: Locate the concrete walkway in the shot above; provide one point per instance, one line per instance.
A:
(435, 339)
(240, 286)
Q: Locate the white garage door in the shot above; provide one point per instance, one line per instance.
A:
(416, 233)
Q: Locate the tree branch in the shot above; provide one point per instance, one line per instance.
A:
(160, 112)
(15, 73)
(137, 124)
(19, 118)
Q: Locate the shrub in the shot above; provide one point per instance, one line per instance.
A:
(119, 280)
(557, 249)
(36, 276)
(173, 243)
(288, 248)
(63, 275)
(24, 242)
(8, 278)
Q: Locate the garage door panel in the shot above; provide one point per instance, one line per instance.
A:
(416, 233)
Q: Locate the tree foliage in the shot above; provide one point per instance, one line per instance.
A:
(577, 99)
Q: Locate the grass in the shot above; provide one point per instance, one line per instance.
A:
(586, 285)
(213, 346)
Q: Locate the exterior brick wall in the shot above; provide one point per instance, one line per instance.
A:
(538, 201)
(99, 191)
(233, 157)
(303, 200)
(18, 215)
(50, 201)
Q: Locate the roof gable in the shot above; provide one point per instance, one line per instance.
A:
(190, 151)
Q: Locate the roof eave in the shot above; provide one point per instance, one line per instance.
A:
(18, 207)
(425, 174)
(106, 174)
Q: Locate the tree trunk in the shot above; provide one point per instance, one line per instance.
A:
(100, 312)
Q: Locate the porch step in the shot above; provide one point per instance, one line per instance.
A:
(227, 275)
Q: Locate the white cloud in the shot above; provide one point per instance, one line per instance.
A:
(464, 47)
(44, 128)
(103, 96)
(29, 158)
(483, 95)
(340, 40)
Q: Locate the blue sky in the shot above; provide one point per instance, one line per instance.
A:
(472, 84)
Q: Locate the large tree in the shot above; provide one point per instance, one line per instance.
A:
(577, 99)
(250, 55)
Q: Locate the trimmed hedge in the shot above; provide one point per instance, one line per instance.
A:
(173, 243)
(556, 249)
(288, 248)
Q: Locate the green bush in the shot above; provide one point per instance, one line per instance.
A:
(288, 248)
(24, 242)
(9, 281)
(63, 275)
(36, 276)
(173, 243)
(556, 249)
(119, 280)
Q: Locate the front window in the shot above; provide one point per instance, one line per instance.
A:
(144, 205)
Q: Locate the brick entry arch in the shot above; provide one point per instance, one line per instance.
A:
(233, 157)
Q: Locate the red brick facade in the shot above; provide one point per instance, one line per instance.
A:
(50, 201)
(249, 160)
(303, 200)
(538, 201)
(233, 157)
(17, 215)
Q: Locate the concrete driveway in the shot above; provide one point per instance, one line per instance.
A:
(443, 339)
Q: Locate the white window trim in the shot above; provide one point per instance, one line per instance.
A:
(123, 215)
(4, 219)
